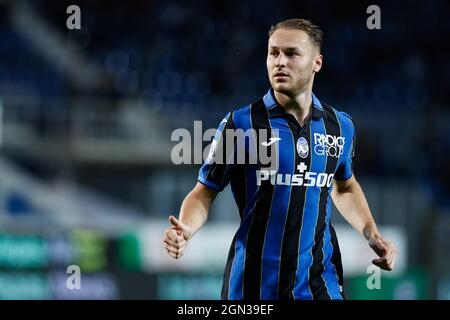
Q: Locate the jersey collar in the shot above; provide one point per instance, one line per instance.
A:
(275, 109)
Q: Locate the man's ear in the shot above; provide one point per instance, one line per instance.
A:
(317, 62)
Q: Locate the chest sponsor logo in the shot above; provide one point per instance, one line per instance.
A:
(328, 145)
(301, 178)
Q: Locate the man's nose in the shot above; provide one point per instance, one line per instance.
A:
(281, 60)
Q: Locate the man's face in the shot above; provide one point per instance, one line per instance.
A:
(292, 61)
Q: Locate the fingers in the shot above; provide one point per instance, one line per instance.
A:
(175, 255)
(174, 252)
(382, 263)
(378, 246)
(387, 261)
(174, 249)
(183, 229)
(381, 244)
(174, 243)
(174, 234)
(391, 257)
(176, 237)
(174, 221)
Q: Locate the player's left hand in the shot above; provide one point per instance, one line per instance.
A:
(385, 250)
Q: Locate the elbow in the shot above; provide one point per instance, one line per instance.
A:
(347, 186)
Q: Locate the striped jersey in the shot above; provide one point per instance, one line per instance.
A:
(285, 246)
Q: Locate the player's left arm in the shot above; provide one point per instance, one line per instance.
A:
(350, 201)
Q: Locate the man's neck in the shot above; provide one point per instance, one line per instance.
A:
(299, 106)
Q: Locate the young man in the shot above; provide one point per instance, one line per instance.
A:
(285, 247)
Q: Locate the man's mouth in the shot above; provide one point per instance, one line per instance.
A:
(280, 75)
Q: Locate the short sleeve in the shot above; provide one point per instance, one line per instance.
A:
(217, 167)
(345, 169)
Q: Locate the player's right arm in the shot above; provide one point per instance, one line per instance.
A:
(193, 215)
(195, 208)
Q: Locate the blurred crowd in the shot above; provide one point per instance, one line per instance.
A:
(203, 58)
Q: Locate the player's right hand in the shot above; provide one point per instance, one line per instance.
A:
(176, 237)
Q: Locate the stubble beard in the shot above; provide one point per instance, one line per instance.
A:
(292, 89)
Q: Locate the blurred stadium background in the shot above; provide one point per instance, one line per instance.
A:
(86, 118)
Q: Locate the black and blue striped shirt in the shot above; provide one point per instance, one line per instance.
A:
(285, 247)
